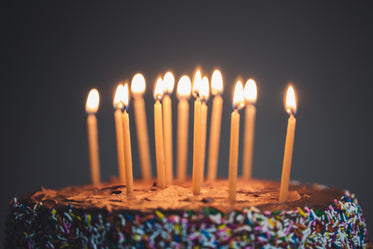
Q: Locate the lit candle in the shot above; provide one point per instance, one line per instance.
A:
(118, 105)
(196, 180)
(127, 142)
(204, 94)
(168, 81)
(234, 140)
(250, 94)
(91, 109)
(158, 134)
(138, 89)
(184, 89)
(291, 108)
(217, 107)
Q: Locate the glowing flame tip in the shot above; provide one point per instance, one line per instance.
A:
(204, 89)
(197, 80)
(118, 97)
(238, 99)
(138, 84)
(125, 99)
(158, 90)
(93, 101)
(169, 82)
(184, 87)
(291, 103)
(250, 92)
(216, 82)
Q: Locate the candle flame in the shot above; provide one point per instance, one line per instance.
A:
(138, 84)
(118, 97)
(93, 101)
(158, 90)
(216, 82)
(291, 103)
(197, 80)
(238, 99)
(250, 92)
(169, 82)
(184, 87)
(125, 98)
(204, 90)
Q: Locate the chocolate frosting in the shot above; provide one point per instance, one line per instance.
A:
(147, 197)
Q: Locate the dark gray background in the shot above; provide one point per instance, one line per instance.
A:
(53, 53)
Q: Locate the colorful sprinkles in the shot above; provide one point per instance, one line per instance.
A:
(341, 225)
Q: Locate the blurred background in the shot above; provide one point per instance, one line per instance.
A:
(53, 53)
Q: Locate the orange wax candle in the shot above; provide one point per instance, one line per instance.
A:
(167, 133)
(196, 178)
(288, 152)
(250, 94)
(217, 107)
(204, 110)
(234, 141)
(128, 153)
(91, 108)
(127, 144)
(118, 105)
(158, 135)
(204, 93)
(168, 82)
(138, 89)
(183, 93)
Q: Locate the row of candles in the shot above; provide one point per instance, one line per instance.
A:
(244, 97)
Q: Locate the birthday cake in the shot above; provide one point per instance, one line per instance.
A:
(104, 216)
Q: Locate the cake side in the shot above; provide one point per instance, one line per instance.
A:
(304, 221)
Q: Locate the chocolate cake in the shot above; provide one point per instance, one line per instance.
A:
(104, 216)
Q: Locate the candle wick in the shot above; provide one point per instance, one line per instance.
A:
(124, 107)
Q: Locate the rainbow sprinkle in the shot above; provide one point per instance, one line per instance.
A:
(340, 225)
